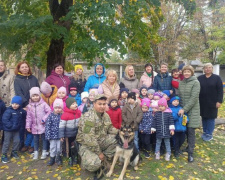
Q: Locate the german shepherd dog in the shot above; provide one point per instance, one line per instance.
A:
(125, 150)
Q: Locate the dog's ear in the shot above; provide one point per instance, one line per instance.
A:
(132, 125)
(122, 125)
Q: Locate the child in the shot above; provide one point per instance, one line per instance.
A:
(137, 93)
(37, 112)
(68, 127)
(180, 126)
(90, 100)
(11, 122)
(163, 125)
(84, 98)
(145, 127)
(115, 112)
(132, 114)
(143, 92)
(61, 94)
(52, 133)
(74, 94)
(166, 94)
(176, 79)
(156, 97)
(123, 97)
(151, 94)
(49, 93)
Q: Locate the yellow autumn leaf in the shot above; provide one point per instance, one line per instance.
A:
(55, 175)
(33, 172)
(195, 173)
(157, 170)
(47, 172)
(171, 178)
(10, 177)
(221, 170)
(160, 177)
(137, 177)
(20, 172)
(59, 178)
(4, 167)
(29, 178)
(77, 174)
(34, 177)
(78, 179)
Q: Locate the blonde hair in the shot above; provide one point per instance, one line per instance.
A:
(113, 72)
(190, 68)
(127, 69)
(207, 64)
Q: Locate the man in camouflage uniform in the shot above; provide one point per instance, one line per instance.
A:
(96, 136)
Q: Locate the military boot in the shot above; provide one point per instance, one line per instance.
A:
(52, 161)
(59, 160)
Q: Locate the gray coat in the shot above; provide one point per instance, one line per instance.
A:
(188, 91)
(130, 83)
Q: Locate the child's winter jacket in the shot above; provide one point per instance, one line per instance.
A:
(37, 113)
(146, 123)
(77, 98)
(69, 123)
(162, 123)
(81, 107)
(2, 110)
(12, 119)
(122, 102)
(52, 126)
(178, 119)
(115, 115)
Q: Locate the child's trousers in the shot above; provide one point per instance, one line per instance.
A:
(7, 138)
(145, 141)
(36, 142)
(179, 140)
(55, 147)
(167, 144)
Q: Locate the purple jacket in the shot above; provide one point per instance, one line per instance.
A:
(58, 80)
(37, 113)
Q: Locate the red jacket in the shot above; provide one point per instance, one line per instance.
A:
(115, 116)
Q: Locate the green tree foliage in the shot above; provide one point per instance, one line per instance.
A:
(45, 32)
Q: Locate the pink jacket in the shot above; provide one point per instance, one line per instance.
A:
(145, 80)
(37, 113)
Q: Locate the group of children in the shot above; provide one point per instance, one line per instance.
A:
(54, 117)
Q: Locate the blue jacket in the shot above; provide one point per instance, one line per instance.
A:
(94, 81)
(2, 110)
(178, 119)
(146, 122)
(52, 126)
(77, 98)
(12, 119)
(162, 82)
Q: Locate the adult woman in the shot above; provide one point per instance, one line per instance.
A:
(188, 91)
(147, 77)
(6, 85)
(24, 81)
(110, 87)
(79, 78)
(130, 80)
(95, 80)
(163, 81)
(211, 97)
(58, 78)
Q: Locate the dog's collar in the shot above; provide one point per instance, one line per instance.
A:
(130, 144)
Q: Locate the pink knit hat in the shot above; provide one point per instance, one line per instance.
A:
(162, 102)
(93, 91)
(145, 102)
(58, 103)
(45, 88)
(62, 89)
(34, 90)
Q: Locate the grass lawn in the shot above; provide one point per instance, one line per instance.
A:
(209, 164)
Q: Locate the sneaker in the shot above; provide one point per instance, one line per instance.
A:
(203, 136)
(43, 155)
(14, 154)
(208, 137)
(167, 157)
(35, 157)
(157, 156)
(146, 154)
(4, 158)
(190, 158)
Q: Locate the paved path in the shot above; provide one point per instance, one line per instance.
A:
(220, 121)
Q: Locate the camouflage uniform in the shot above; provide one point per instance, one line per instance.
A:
(96, 135)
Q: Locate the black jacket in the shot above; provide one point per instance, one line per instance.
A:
(211, 92)
(2, 110)
(22, 85)
(13, 119)
(79, 84)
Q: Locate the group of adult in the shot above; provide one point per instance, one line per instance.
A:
(202, 96)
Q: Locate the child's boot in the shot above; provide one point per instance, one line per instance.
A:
(35, 157)
(44, 155)
(157, 156)
(4, 158)
(52, 161)
(167, 157)
(59, 160)
(14, 154)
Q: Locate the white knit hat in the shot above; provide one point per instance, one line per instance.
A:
(34, 90)
(84, 95)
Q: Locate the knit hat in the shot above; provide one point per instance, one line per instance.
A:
(135, 91)
(154, 104)
(145, 102)
(131, 95)
(151, 91)
(84, 95)
(62, 89)
(93, 91)
(158, 94)
(17, 100)
(143, 87)
(124, 89)
(58, 103)
(167, 92)
(34, 90)
(45, 88)
(180, 67)
(70, 101)
(79, 66)
(174, 98)
(162, 102)
(112, 98)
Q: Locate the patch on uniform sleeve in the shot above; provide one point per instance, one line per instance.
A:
(88, 125)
